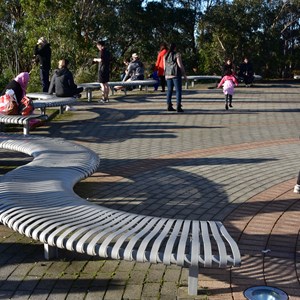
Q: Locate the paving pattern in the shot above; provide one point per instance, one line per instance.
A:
(237, 166)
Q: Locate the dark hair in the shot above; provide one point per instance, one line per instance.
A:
(101, 43)
(228, 72)
(163, 46)
(172, 47)
(64, 62)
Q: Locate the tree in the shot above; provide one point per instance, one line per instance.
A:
(263, 30)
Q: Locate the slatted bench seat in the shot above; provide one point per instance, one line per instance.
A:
(21, 120)
(146, 83)
(37, 200)
(194, 78)
(94, 86)
(44, 100)
(89, 88)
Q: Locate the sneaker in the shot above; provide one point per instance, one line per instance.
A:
(230, 105)
(179, 109)
(297, 189)
(70, 108)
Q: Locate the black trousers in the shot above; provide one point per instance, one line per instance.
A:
(44, 75)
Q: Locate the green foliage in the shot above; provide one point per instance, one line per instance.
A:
(6, 76)
(205, 32)
(259, 29)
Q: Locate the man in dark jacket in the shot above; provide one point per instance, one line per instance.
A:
(62, 81)
(42, 52)
(246, 72)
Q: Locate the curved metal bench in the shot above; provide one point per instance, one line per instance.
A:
(44, 100)
(194, 78)
(21, 120)
(93, 86)
(38, 200)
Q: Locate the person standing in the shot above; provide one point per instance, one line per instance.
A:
(174, 70)
(42, 53)
(228, 65)
(103, 69)
(228, 81)
(246, 72)
(159, 65)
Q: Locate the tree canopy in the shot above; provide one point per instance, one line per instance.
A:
(205, 31)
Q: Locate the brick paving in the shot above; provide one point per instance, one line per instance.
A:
(237, 166)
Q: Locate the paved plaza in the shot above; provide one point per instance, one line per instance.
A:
(237, 166)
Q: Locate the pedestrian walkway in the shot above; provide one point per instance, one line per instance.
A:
(237, 166)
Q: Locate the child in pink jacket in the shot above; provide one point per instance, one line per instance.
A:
(228, 82)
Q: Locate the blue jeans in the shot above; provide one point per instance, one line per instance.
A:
(177, 83)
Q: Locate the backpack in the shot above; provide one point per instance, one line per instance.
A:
(171, 66)
(8, 103)
(228, 84)
(26, 106)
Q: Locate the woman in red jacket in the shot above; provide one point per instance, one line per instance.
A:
(159, 65)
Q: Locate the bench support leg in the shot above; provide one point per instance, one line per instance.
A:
(193, 281)
(26, 128)
(89, 95)
(50, 252)
(297, 186)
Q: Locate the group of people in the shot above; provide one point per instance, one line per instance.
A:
(61, 83)
(168, 68)
(245, 72)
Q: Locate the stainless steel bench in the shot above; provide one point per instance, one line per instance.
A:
(94, 86)
(37, 200)
(44, 100)
(194, 78)
(21, 120)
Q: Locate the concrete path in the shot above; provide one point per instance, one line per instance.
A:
(237, 166)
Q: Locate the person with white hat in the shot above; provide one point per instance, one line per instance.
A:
(42, 55)
(135, 71)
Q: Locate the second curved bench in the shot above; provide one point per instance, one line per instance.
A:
(37, 200)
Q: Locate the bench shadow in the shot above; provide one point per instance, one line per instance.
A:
(186, 194)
